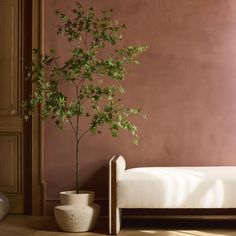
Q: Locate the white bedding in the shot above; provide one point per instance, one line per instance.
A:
(177, 187)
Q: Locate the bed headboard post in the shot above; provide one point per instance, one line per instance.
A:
(117, 167)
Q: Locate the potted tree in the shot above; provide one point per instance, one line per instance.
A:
(95, 74)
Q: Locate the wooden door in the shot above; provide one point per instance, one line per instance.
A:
(12, 134)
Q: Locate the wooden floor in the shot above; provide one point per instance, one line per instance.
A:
(46, 226)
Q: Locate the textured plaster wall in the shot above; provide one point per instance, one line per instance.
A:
(186, 84)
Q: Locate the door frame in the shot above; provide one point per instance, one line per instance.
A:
(37, 128)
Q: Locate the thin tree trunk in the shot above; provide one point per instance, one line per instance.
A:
(77, 145)
(77, 166)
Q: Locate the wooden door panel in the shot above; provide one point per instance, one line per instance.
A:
(10, 162)
(11, 122)
(8, 57)
(14, 124)
(11, 171)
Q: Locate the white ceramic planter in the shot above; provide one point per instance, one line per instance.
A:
(4, 205)
(77, 212)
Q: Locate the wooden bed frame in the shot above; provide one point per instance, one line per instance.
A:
(117, 168)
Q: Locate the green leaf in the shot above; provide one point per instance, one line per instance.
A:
(92, 73)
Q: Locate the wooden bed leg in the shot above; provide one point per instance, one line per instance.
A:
(115, 222)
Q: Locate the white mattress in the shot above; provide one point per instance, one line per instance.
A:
(177, 187)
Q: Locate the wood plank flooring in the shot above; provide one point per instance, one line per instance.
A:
(46, 226)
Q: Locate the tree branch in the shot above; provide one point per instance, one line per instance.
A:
(77, 116)
(82, 135)
(78, 92)
(72, 126)
(85, 40)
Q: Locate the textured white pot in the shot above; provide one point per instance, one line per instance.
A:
(4, 205)
(77, 212)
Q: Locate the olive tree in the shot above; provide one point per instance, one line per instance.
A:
(94, 70)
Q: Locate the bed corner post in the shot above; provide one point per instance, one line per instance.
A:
(115, 171)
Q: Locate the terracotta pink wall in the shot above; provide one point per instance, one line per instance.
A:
(186, 84)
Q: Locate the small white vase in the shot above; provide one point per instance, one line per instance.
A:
(4, 205)
(77, 212)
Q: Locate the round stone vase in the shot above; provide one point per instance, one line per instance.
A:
(4, 205)
(77, 212)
